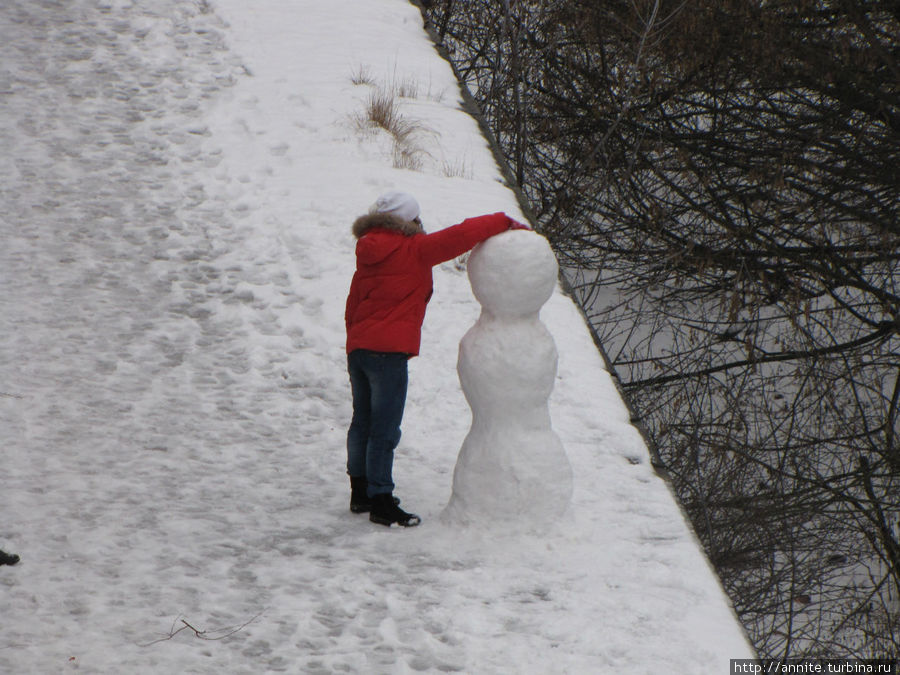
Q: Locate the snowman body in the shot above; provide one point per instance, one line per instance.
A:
(512, 467)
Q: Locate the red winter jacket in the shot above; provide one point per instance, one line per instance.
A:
(393, 283)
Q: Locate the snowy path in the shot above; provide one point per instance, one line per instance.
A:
(177, 192)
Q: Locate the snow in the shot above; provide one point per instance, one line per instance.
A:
(513, 274)
(512, 471)
(178, 181)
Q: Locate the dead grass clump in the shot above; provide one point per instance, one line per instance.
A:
(383, 111)
(362, 75)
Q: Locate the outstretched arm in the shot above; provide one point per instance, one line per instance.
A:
(453, 241)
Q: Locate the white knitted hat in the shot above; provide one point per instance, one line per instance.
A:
(399, 204)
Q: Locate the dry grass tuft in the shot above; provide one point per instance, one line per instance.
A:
(458, 168)
(383, 111)
(362, 75)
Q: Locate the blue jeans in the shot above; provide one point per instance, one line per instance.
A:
(378, 381)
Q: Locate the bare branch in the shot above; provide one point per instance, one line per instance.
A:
(211, 635)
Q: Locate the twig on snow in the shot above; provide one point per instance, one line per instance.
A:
(202, 634)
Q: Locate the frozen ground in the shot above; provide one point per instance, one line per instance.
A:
(177, 181)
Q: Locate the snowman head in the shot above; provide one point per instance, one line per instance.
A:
(513, 274)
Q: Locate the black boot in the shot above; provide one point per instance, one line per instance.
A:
(360, 502)
(385, 511)
(8, 558)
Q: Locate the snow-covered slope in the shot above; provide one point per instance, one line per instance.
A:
(178, 181)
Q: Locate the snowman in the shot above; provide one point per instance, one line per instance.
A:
(512, 467)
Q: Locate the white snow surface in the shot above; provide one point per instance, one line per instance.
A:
(178, 180)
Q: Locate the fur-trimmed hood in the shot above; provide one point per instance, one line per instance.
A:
(385, 221)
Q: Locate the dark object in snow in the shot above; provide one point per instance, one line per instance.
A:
(360, 502)
(8, 558)
(386, 512)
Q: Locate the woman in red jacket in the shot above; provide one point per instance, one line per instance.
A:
(385, 309)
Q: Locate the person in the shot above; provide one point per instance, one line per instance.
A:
(8, 558)
(385, 309)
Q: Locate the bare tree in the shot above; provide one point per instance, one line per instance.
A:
(722, 179)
